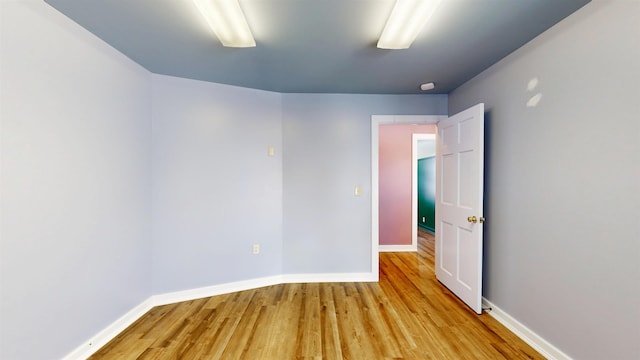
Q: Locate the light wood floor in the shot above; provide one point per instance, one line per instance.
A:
(407, 315)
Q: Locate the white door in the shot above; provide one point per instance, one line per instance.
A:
(459, 214)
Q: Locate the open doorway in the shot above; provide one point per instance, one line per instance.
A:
(376, 122)
(424, 183)
(459, 194)
(398, 152)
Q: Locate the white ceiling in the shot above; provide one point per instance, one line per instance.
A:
(319, 46)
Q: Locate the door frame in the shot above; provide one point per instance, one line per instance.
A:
(376, 121)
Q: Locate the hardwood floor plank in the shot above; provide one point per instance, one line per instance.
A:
(329, 325)
(383, 335)
(408, 314)
(310, 344)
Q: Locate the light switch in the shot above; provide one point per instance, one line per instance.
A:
(271, 151)
(357, 191)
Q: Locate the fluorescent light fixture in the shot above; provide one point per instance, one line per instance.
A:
(226, 19)
(407, 18)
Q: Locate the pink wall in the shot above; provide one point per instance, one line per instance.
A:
(395, 143)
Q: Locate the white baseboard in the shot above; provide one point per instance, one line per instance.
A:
(534, 340)
(398, 248)
(107, 334)
(192, 294)
(338, 277)
(103, 337)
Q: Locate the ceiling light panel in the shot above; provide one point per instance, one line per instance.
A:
(226, 19)
(407, 18)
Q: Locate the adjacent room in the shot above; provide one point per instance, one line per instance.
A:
(146, 160)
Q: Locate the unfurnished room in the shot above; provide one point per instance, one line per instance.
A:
(319, 179)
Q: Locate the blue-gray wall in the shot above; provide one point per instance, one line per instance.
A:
(562, 242)
(216, 191)
(75, 183)
(327, 152)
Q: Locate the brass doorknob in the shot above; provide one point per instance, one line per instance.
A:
(472, 219)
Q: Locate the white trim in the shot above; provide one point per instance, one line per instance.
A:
(318, 278)
(527, 335)
(107, 334)
(198, 293)
(376, 121)
(92, 345)
(414, 184)
(398, 248)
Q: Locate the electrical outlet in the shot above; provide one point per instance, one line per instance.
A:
(256, 249)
